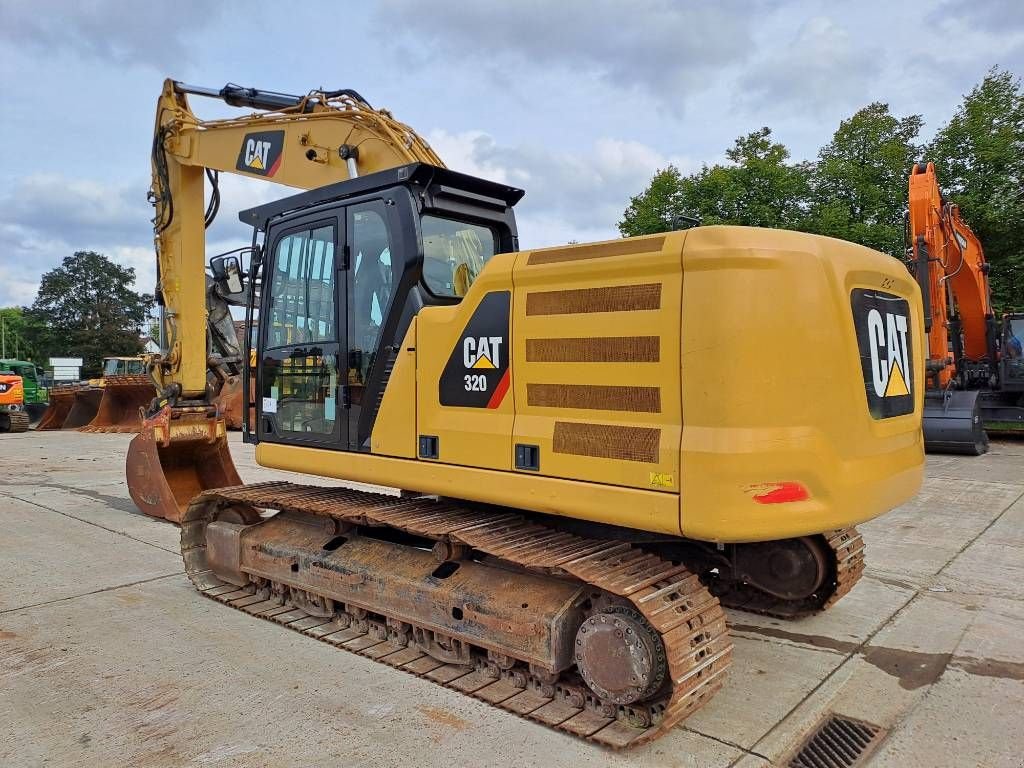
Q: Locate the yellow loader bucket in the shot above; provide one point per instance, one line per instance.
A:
(61, 400)
(179, 453)
(119, 408)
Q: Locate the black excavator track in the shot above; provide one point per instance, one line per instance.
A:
(642, 603)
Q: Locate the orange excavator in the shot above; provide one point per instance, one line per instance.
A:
(974, 367)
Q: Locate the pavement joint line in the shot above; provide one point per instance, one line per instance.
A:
(97, 525)
(726, 742)
(93, 592)
(981, 533)
(975, 480)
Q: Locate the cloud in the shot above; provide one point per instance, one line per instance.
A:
(662, 47)
(578, 195)
(997, 16)
(820, 69)
(45, 217)
(79, 209)
(148, 33)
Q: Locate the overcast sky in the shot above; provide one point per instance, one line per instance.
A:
(578, 102)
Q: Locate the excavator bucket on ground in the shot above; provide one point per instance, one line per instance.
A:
(62, 398)
(123, 398)
(83, 409)
(952, 423)
(179, 453)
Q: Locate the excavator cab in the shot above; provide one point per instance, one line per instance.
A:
(343, 271)
(1012, 359)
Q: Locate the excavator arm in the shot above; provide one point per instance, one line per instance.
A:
(297, 141)
(950, 265)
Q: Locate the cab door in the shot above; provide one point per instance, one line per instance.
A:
(373, 273)
(301, 375)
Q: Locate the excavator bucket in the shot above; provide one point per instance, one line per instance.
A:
(62, 398)
(123, 399)
(952, 423)
(83, 410)
(179, 453)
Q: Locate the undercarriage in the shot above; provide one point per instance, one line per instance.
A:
(612, 641)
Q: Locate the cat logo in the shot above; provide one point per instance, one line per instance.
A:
(888, 346)
(256, 153)
(482, 353)
(477, 373)
(261, 153)
(884, 337)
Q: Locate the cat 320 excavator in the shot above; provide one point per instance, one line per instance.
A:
(974, 368)
(597, 446)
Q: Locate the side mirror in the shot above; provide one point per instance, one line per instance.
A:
(227, 271)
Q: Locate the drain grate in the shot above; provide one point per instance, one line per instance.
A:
(839, 742)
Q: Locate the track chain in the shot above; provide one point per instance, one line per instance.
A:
(19, 421)
(847, 549)
(688, 618)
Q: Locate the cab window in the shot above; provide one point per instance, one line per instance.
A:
(302, 288)
(372, 286)
(454, 254)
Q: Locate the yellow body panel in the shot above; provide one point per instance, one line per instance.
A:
(595, 365)
(755, 382)
(643, 510)
(472, 437)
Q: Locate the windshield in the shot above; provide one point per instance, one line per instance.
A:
(113, 366)
(1015, 338)
(454, 254)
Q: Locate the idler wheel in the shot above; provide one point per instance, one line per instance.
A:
(620, 656)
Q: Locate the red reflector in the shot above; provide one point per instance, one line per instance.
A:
(779, 493)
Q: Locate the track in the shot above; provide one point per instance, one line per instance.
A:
(688, 620)
(847, 550)
(16, 421)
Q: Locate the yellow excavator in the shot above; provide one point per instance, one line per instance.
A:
(594, 447)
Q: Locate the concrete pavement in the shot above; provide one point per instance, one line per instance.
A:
(109, 657)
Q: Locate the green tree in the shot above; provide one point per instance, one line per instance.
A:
(657, 207)
(86, 308)
(758, 188)
(16, 330)
(979, 159)
(859, 184)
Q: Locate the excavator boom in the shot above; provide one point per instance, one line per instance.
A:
(299, 141)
